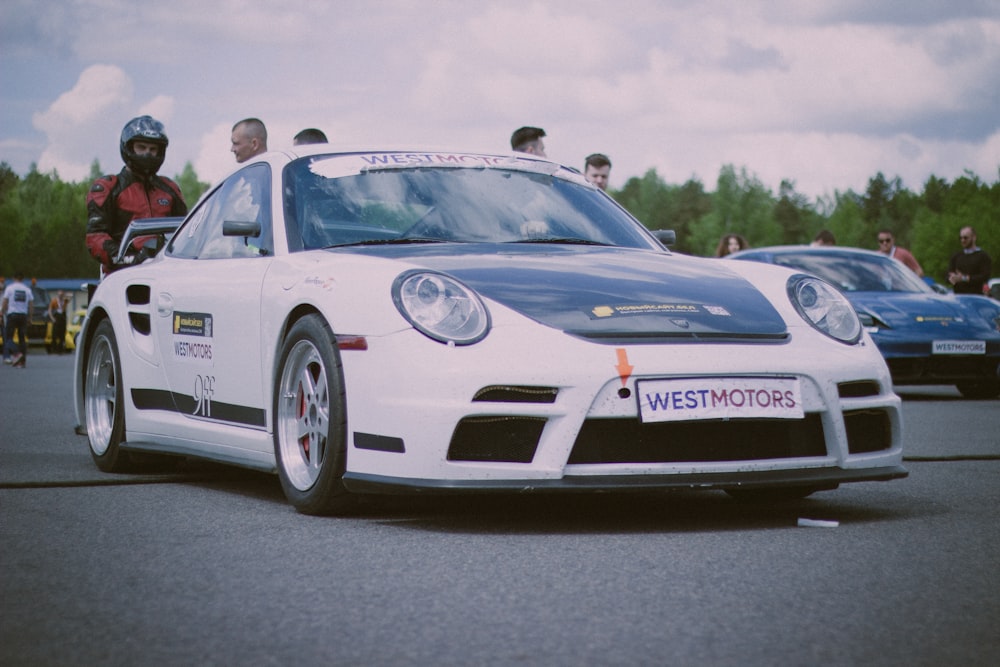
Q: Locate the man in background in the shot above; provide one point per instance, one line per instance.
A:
(823, 237)
(970, 267)
(249, 139)
(597, 169)
(528, 140)
(18, 304)
(309, 136)
(887, 246)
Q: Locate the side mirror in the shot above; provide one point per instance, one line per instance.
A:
(241, 228)
(665, 236)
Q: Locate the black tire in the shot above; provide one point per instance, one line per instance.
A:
(984, 389)
(104, 407)
(310, 420)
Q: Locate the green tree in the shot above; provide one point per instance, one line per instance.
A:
(887, 205)
(661, 206)
(191, 187)
(966, 202)
(646, 198)
(794, 215)
(740, 205)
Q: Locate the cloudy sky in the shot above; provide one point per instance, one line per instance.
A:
(825, 94)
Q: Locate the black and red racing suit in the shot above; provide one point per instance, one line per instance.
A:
(116, 200)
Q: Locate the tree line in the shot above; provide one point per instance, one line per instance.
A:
(43, 219)
(926, 223)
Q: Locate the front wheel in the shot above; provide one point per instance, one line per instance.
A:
(104, 408)
(310, 423)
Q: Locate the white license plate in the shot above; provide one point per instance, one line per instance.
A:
(686, 399)
(959, 347)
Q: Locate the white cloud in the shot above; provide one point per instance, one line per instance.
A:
(100, 89)
(97, 106)
(160, 107)
(77, 116)
(826, 95)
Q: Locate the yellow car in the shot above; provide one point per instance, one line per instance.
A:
(72, 329)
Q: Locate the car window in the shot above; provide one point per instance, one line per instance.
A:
(488, 205)
(856, 272)
(243, 197)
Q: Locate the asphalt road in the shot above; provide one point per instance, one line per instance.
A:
(210, 566)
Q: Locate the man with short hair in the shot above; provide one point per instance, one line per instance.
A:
(887, 246)
(17, 309)
(970, 267)
(597, 169)
(528, 140)
(309, 136)
(823, 237)
(249, 139)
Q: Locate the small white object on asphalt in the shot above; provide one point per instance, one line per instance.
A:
(817, 523)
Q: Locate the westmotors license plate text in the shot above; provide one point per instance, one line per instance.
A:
(682, 399)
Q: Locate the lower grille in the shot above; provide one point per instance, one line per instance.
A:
(630, 441)
(867, 431)
(499, 439)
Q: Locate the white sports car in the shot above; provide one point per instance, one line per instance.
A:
(386, 322)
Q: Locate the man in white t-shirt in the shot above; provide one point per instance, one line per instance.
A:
(18, 303)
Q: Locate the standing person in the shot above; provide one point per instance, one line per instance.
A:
(528, 140)
(969, 268)
(249, 139)
(730, 243)
(887, 246)
(309, 136)
(597, 169)
(823, 237)
(135, 192)
(57, 316)
(17, 309)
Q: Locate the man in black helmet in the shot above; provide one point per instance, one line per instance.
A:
(135, 192)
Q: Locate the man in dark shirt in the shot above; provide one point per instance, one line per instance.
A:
(970, 267)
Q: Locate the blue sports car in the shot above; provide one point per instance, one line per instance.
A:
(925, 337)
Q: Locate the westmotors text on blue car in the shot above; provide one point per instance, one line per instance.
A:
(926, 337)
(388, 321)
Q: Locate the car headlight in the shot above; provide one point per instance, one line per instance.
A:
(825, 308)
(441, 308)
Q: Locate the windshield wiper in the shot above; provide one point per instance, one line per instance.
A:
(557, 239)
(396, 241)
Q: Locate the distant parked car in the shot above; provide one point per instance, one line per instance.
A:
(926, 337)
(72, 328)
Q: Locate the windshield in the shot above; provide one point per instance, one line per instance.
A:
(448, 204)
(857, 272)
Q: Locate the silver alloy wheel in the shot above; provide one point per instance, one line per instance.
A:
(101, 395)
(303, 417)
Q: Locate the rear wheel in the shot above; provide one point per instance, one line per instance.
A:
(310, 424)
(104, 409)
